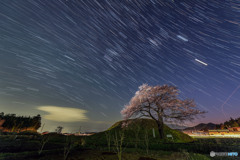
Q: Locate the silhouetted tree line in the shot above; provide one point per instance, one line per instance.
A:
(231, 123)
(13, 123)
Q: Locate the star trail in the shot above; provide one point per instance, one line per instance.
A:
(92, 56)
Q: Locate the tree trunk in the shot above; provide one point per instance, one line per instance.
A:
(160, 128)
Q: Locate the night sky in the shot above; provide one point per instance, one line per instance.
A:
(77, 63)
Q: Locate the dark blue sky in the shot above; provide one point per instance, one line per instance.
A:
(93, 55)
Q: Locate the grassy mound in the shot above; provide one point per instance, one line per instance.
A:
(144, 126)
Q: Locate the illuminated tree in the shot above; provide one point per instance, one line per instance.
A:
(161, 104)
(44, 140)
(118, 143)
(108, 138)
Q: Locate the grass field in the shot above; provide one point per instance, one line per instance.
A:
(128, 155)
(27, 147)
(29, 150)
(96, 147)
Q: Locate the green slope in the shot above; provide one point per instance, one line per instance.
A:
(143, 125)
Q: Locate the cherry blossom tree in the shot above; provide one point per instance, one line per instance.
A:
(160, 103)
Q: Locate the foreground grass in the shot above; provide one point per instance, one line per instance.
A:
(94, 154)
(27, 148)
(101, 155)
(28, 154)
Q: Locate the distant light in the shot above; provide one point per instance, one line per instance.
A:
(201, 62)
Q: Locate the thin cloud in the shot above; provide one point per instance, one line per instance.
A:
(63, 114)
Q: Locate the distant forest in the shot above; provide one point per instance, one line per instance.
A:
(13, 123)
(231, 123)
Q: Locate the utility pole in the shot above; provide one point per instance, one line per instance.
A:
(42, 127)
(79, 132)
